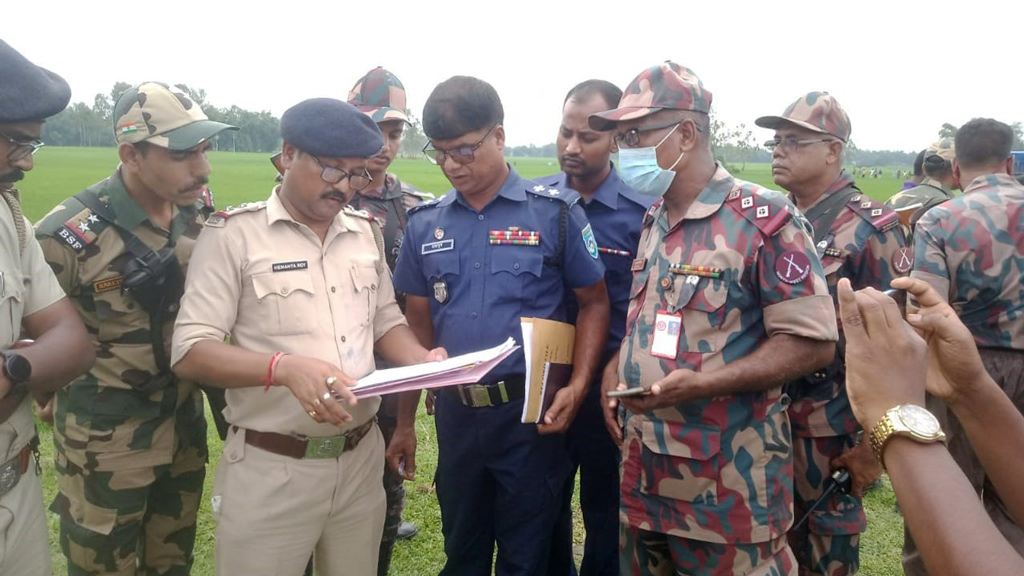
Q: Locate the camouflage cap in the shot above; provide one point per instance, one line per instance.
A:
(667, 86)
(943, 148)
(816, 111)
(156, 113)
(380, 95)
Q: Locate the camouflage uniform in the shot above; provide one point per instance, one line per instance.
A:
(380, 95)
(719, 470)
(970, 250)
(859, 239)
(388, 206)
(706, 485)
(864, 244)
(930, 192)
(130, 438)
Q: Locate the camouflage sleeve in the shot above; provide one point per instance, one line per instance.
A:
(213, 288)
(63, 262)
(875, 264)
(792, 287)
(929, 251)
(45, 289)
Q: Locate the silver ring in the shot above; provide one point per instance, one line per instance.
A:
(331, 380)
(326, 396)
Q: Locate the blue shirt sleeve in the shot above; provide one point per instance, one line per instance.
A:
(582, 266)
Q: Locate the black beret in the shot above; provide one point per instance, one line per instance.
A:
(27, 91)
(331, 128)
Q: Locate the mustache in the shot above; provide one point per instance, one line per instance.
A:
(12, 176)
(203, 181)
(335, 195)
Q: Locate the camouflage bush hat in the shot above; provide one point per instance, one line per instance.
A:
(380, 95)
(816, 111)
(667, 86)
(28, 92)
(156, 113)
(944, 149)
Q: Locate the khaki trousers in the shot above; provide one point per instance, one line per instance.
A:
(273, 511)
(24, 541)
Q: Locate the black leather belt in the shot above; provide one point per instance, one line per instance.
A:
(493, 393)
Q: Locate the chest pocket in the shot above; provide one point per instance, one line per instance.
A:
(117, 314)
(514, 269)
(287, 301)
(12, 304)
(364, 281)
(702, 304)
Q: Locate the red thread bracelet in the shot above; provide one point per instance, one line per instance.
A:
(271, 369)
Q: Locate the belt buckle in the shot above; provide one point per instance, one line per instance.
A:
(9, 476)
(479, 396)
(329, 447)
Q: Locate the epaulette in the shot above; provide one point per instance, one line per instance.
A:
(882, 218)
(568, 196)
(428, 204)
(72, 223)
(768, 212)
(350, 211)
(219, 218)
(651, 211)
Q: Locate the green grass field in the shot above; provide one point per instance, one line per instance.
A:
(62, 172)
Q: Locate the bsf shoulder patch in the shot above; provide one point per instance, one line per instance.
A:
(590, 241)
(792, 267)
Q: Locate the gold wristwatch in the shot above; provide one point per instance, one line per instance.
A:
(907, 420)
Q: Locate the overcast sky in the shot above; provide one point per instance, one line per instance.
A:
(900, 69)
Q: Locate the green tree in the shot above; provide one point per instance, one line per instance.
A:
(947, 130)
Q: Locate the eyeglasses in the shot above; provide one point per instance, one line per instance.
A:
(790, 143)
(21, 149)
(333, 175)
(460, 154)
(631, 138)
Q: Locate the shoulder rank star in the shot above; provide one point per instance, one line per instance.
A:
(703, 271)
(514, 236)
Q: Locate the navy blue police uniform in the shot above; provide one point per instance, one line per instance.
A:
(616, 214)
(497, 479)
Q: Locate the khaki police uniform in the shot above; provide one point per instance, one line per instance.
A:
(26, 286)
(270, 284)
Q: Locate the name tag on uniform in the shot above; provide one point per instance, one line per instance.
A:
(440, 246)
(286, 266)
(667, 328)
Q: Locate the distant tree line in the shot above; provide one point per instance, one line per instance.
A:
(82, 124)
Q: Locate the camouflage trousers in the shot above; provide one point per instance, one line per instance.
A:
(394, 491)
(1006, 367)
(827, 543)
(644, 553)
(139, 521)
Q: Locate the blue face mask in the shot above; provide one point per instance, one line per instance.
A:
(639, 169)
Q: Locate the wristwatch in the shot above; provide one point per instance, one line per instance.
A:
(17, 369)
(907, 420)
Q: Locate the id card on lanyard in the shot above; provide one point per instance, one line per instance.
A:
(667, 328)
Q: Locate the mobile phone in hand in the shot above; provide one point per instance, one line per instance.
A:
(628, 392)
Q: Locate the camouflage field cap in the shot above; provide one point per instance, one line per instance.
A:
(944, 149)
(164, 116)
(816, 111)
(380, 95)
(667, 86)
